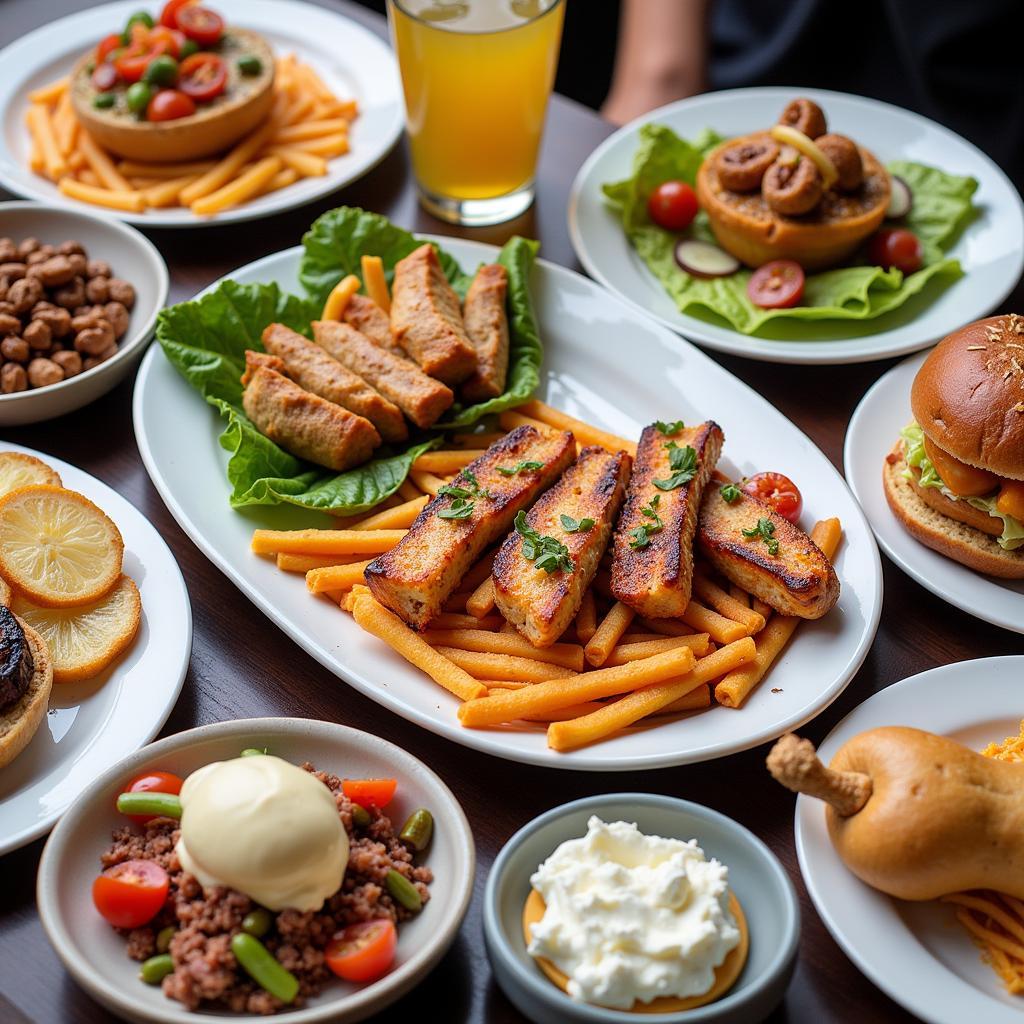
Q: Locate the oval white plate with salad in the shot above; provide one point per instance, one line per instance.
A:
(974, 236)
(587, 370)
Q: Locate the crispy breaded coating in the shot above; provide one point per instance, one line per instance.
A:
(367, 317)
(487, 327)
(254, 359)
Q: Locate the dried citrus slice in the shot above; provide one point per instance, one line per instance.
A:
(85, 640)
(57, 547)
(18, 470)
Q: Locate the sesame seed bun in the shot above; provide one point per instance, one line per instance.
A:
(968, 396)
(18, 724)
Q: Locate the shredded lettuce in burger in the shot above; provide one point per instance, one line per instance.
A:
(915, 456)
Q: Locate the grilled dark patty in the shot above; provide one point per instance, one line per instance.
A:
(16, 663)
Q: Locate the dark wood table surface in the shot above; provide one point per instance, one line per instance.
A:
(243, 668)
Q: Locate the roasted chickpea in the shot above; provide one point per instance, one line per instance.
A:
(71, 248)
(9, 324)
(6, 307)
(8, 250)
(83, 321)
(78, 263)
(97, 289)
(70, 295)
(36, 257)
(118, 316)
(57, 270)
(13, 271)
(13, 347)
(90, 361)
(121, 291)
(24, 294)
(38, 335)
(13, 378)
(28, 245)
(95, 340)
(99, 268)
(44, 371)
(69, 362)
(56, 318)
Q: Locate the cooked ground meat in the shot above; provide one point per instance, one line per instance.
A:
(206, 973)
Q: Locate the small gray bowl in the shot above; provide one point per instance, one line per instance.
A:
(755, 875)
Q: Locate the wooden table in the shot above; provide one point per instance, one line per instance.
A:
(242, 667)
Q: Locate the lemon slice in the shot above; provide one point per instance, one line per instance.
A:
(57, 547)
(17, 470)
(85, 640)
(804, 144)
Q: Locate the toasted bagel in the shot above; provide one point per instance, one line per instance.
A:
(18, 724)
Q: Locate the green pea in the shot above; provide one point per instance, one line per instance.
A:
(188, 47)
(156, 968)
(253, 752)
(258, 962)
(162, 70)
(417, 831)
(104, 100)
(138, 97)
(403, 891)
(257, 922)
(138, 18)
(250, 64)
(360, 816)
(164, 805)
(163, 938)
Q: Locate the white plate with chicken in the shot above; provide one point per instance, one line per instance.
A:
(657, 398)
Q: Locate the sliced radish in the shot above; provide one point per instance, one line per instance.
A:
(901, 200)
(702, 259)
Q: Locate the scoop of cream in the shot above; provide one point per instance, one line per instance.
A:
(264, 827)
(631, 917)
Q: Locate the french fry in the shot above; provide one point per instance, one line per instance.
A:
(303, 563)
(76, 161)
(408, 490)
(485, 665)
(563, 714)
(586, 617)
(349, 598)
(326, 145)
(387, 626)
(89, 177)
(453, 620)
(375, 283)
(309, 130)
(667, 627)
(479, 571)
(284, 177)
(561, 693)
(309, 165)
(722, 630)
(401, 517)
(351, 521)
(608, 633)
(725, 604)
(308, 76)
(648, 700)
(457, 602)
(334, 307)
(132, 168)
(229, 165)
(692, 701)
(40, 125)
(167, 193)
(299, 108)
(426, 482)
(737, 593)
(325, 542)
(335, 577)
(762, 608)
(65, 125)
(36, 162)
(134, 202)
(445, 462)
(483, 642)
(248, 184)
(48, 94)
(512, 418)
(625, 653)
(584, 432)
(98, 159)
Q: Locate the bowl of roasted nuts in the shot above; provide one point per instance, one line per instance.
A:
(79, 295)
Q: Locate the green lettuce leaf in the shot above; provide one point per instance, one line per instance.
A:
(942, 206)
(915, 455)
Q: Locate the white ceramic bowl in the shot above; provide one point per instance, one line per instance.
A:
(133, 257)
(95, 954)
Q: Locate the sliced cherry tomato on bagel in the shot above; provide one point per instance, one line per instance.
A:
(153, 782)
(169, 105)
(132, 62)
(172, 37)
(107, 46)
(104, 77)
(363, 952)
(200, 24)
(673, 205)
(896, 247)
(204, 76)
(169, 15)
(776, 490)
(370, 792)
(132, 893)
(777, 285)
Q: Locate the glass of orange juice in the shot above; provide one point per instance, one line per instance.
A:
(477, 75)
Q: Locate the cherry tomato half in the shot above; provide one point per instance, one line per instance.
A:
(131, 894)
(172, 37)
(370, 792)
(362, 952)
(896, 247)
(778, 491)
(204, 76)
(169, 105)
(107, 45)
(673, 205)
(153, 782)
(200, 24)
(169, 15)
(104, 77)
(132, 62)
(777, 285)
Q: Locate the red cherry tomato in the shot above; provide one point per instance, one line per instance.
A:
(173, 39)
(896, 247)
(777, 285)
(153, 782)
(362, 952)
(133, 60)
(200, 24)
(131, 894)
(169, 105)
(204, 76)
(673, 205)
(778, 491)
(107, 46)
(370, 792)
(169, 15)
(104, 77)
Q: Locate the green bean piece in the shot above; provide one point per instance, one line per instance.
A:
(403, 891)
(257, 922)
(104, 100)
(253, 752)
(138, 18)
(188, 47)
(138, 96)
(163, 938)
(250, 65)
(163, 805)
(360, 816)
(161, 71)
(418, 830)
(258, 962)
(156, 968)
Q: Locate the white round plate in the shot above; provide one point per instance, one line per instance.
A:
(916, 953)
(874, 428)
(591, 372)
(93, 724)
(353, 62)
(989, 249)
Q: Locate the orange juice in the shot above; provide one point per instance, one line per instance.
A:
(477, 75)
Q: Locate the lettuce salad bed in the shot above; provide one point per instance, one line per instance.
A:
(205, 340)
(942, 207)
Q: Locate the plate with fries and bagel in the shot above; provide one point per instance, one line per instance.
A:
(423, 479)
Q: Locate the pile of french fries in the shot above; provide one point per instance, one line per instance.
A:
(307, 126)
(610, 671)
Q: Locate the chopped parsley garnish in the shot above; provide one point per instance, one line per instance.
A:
(730, 493)
(523, 467)
(640, 536)
(668, 429)
(462, 505)
(546, 553)
(571, 525)
(683, 463)
(460, 508)
(765, 529)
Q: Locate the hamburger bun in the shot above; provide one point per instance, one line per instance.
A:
(968, 396)
(19, 722)
(949, 527)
